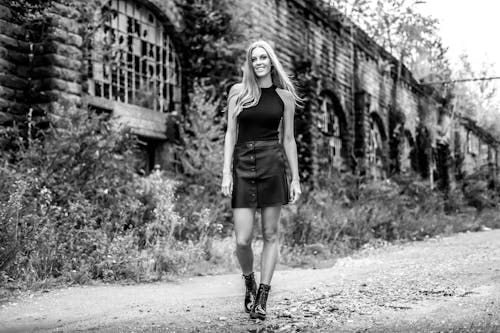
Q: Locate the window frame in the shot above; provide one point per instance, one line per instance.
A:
(129, 73)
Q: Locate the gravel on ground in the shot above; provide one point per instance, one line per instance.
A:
(443, 284)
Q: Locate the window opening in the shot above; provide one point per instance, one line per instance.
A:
(472, 143)
(330, 125)
(134, 60)
(375, 149)
(406, 155)
(147, 155)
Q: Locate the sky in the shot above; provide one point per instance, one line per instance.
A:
(470, 25)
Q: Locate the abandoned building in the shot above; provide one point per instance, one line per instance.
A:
(359, 103)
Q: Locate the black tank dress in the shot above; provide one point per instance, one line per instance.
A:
(259, 162)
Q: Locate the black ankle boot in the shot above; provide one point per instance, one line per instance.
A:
(250, 292)
(259, 309)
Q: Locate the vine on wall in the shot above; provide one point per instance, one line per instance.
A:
(307, 84)
(211, 43)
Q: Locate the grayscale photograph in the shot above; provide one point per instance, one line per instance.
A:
(255, 166)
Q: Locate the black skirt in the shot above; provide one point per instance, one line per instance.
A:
(259, 175)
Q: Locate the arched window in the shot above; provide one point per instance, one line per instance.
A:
(472, 144)
(375, 151)
(134, 60)
(406, 149)
(331, 126)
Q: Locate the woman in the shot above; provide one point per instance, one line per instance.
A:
(254, 163)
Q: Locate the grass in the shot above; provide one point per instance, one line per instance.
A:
(216, 255)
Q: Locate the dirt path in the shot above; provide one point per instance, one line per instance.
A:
(447, 284)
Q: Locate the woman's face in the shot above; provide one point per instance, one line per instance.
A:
(261, 63)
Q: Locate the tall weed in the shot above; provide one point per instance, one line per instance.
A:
(72, 207)
(345, 211)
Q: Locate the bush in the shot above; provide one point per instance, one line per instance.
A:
(346, 213)
(481, 189)
(65, 194)
(201, 157)
(73, 207)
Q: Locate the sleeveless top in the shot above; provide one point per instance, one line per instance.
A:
(261, 122)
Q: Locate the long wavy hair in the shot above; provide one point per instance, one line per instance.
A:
(250, 94)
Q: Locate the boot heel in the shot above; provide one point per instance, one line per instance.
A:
(259, 308)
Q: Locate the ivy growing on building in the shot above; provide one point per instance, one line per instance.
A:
(307, 85)
(31, 16)
(211, 43)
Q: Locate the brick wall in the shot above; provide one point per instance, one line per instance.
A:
(41, 64)
(58, 65)
(14, 66)
(475, 147)
(345, 62)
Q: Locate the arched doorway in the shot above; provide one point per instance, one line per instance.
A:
(334, 127)
(407, 146)
(375, 150)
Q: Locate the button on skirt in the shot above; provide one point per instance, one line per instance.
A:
(259, 175)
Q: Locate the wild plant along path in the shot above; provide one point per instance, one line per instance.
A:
(449, 284)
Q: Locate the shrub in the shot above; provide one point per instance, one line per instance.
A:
(73, 207)
(65, 194)
(201, 157)
(345, 210)
(481, 189)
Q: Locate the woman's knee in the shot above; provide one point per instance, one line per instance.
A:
(243, 242)
(270, 235)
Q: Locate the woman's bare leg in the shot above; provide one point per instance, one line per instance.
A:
(270, 222)
(243, 227)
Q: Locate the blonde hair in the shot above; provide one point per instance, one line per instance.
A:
(249, 95)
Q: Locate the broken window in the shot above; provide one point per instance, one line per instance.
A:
(134, 60)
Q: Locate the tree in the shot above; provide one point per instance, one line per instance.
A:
(478, 99)
(202, 153)
(399, 28)
(201, 158)
(411, 37)
(212, 41)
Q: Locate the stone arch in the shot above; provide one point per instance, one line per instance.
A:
(376, 119)
(134, 59)
(333, 125)
(376, 146)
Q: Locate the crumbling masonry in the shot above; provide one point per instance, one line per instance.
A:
(366, 118)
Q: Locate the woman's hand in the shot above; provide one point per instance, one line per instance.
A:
(227, 184)
(295, 191)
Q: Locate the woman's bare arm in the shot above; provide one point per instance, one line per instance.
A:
(288, 133)
(289, 143)
(229, 141)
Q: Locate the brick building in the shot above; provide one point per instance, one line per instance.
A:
(131, 69)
